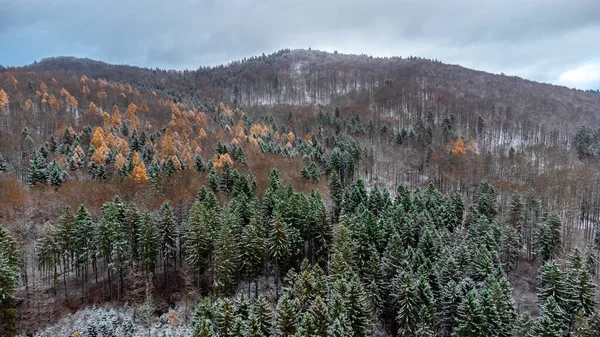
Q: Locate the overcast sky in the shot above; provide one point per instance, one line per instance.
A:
(556, 41)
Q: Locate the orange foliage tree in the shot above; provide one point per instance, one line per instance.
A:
(139, 169)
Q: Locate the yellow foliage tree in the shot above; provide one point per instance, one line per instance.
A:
(85, 90)
(131, 115)
(11, 81)
(220, 161)
(139, 169)
(93, 109)
(106, 120)
(98, 137)
(120, 161)
(115, 119)
(291, 137)
(167, 148)
(3, 101)
(100, 153)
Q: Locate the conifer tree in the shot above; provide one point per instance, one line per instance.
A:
(199, 164)
(287, 317)
(199, 238)
(552, 321)
(340, 327)
(263, 316)
(552, 284)
(356, 309)
(9, 275)
(224, 317)
(167, 237)
(469, 321)
(225, 260)
(550, 236)
(3, 163)
(213, 180)
(406, 301)
(278, 247)
(37, 173)
(148, 242)
(336, 193)
(252, 249)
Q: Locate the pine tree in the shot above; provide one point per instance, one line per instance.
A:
(199, 164)
(469, 321)
(212, 180)
(550, 236)
(287, 317)
(340, 327)
(56, 175)
(278, 247)
(552, 284)
(224, 317)
(406, 301)
(3, 163)
(263, 316)
(9, 275)
(252, 249)
(37, 173)
(148, 242)
(167, 236)
(525, 326)
(320, 316)
(199, 238)
(551, 323)
(225, 260)
(336, 193)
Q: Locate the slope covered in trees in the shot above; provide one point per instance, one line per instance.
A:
(300, 193)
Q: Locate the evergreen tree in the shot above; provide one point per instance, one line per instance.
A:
(469, 322)
(225, 260)
(278, 247)
(55, 174)
(551, 323)
(9, 275)
(199, 238)
(552, 284)
(550, 236)
(199, 164)
(340, 327)
(3, 163)
(336, 193)
(212, 180)
(37, 169)
(263, 316)
(287, 317)
(167, 236)
(224, 317)
(148, 242)
(252, 249)
(406, 301)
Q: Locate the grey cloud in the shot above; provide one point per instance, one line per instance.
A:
(538, 39)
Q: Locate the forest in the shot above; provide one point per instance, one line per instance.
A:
(300, 193)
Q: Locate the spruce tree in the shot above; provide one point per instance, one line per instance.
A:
(469, 321)
(37, 173)
(199, 238)
(278, 247)
(552, 321)
(148, 242)
(406, 301)
(336, 193)
(9, 275)
(199, 164)
(212, 180)
(167, 236)
(550, 234)
(225, 260)
(252, 249)
(3, 163)
(552, 284)
(287, 317)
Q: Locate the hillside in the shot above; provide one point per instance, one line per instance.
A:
(323, 188)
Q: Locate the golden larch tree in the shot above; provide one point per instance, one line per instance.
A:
(139, 169)
(98, 137)
(115, 119)
(3, 101)
(131, 115)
